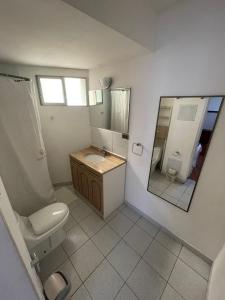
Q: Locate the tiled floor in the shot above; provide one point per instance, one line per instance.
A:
(125, 258)
(174, 192)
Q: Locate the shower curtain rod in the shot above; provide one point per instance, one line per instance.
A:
(18, 78)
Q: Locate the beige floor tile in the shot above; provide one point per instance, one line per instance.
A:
(146, 283)
(86, 259)
(187, 282)
(104, 283)
(81, 294)
(91, 224)
(121, 224)
(169, 242)
(50, 262)
(161, 259)
(195, 262)
(123, 258)
(106, 239)
(138, 239)
(130, 213)
(80, 211)
(147, 226)
(170, 294)
(75, 238)
(126, 294)
(70, 223)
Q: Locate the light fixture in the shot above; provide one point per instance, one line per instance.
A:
(105, 82)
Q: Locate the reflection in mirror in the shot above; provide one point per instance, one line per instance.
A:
(184, 129)
(109, 109)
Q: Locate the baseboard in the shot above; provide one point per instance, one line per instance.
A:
(194, 250)
(59, 184)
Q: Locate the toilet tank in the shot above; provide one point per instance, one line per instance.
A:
(156, 153)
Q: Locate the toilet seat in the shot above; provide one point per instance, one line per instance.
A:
(48, 217)
(43, 224)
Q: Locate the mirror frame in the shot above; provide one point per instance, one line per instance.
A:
(219, 112)
(125, 135)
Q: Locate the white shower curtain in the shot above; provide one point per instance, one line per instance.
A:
(23, 164)
(120, 110)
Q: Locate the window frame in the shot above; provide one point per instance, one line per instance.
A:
(62, 78)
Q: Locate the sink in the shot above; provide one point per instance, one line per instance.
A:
(96, 158)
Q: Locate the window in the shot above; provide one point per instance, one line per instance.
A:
(60, 90)
(95, 97)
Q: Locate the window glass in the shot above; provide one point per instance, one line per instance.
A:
(52, 90)
(75, 91)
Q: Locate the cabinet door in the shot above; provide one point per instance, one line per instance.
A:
(95, 191)
(75, 176)
(83, 181)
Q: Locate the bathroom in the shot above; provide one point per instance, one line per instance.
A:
(120, 240)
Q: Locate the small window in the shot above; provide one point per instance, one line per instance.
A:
(52, 90)
(76, 93)
(60, 90)
(95, 97)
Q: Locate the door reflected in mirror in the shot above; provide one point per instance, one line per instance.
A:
(184, 129)
(109, 109)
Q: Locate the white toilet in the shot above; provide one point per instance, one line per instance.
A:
(43, 230)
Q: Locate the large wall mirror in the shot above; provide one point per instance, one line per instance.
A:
(183, 132)
(109, 109)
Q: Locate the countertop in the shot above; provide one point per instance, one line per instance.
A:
(111, 161)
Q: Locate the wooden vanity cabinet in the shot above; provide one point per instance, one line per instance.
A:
(87, 183)
(102, 187)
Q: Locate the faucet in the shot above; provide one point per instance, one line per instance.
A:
(103, 151)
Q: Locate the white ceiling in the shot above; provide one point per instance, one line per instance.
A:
(161, 5)
(136, 19)
(52, 33)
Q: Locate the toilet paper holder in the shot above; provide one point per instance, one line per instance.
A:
(139, 149)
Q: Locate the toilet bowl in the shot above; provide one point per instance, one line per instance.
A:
(43, 230)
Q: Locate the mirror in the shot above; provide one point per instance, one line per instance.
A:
(183, 132)
(109, 109)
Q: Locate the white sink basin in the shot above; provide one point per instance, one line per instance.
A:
(94, 158)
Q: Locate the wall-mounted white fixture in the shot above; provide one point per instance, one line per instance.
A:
(137, 149)
(105, 82)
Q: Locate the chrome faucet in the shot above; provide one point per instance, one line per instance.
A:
(103, 151)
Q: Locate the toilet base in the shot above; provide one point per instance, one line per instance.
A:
(48, 245)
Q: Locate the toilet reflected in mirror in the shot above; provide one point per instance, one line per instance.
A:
(184, 129)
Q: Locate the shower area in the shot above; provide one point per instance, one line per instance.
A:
(23, 162)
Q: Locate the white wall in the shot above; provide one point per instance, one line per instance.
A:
(191, 43)
(18, 280)
(183, 137)
(65, 129)
(110, 140)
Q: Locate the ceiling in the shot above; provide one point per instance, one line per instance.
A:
(161, 5)
(135, 19)
(52, 33)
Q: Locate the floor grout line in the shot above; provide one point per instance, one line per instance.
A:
(176, 291)
(185, 263)
(167, 248)
(121, 238)
(164, 190)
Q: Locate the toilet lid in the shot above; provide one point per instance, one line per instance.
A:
(46, 218)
